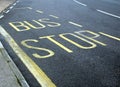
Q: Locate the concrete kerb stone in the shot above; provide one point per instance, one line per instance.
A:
(22, 82)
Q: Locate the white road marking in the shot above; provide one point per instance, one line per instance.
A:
(53, 16)
(29, 7)
(11, 7)
(79, 3)
(38, 11)
(78, 25)
(1, 16)
(108, 13)
(17, 1)
(7, 11)
(14, 4)
(24, 8)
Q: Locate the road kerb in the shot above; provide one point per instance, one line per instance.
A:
(13, 67)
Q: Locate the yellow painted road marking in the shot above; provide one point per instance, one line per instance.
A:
(113, 37)
(50, 52)
(53, 16)
(29, 24)
(40, 76)
(38, 11)
(19, 24)
(57, 43)
(76, 44)
(78, 25)
(95, 35)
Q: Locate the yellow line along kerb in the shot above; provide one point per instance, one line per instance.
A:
(40, 76)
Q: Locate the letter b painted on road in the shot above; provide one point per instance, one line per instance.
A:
(19, 26)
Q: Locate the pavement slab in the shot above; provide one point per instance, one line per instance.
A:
(5, 3)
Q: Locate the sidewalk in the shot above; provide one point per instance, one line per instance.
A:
(4, 6)
(5, 3)
(10, 76)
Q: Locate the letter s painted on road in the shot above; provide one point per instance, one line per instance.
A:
(36, 55)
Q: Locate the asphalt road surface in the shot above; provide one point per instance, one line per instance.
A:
(65, 43)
